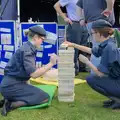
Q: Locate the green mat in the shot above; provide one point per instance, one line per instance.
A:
(50, 89)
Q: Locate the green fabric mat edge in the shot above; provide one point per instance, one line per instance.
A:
(50, 89)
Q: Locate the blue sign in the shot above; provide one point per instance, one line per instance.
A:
(7, 43)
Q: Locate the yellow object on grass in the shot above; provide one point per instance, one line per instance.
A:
(54, 82)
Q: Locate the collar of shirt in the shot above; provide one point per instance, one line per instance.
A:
(32, 47)
(103, 44)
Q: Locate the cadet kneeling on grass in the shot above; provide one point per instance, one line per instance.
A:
(20, 68)
(106, 81)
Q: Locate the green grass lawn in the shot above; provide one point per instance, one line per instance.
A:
(87, 106)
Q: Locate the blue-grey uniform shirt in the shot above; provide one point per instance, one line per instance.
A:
(21, 65)
(93, 10)
(108, 52)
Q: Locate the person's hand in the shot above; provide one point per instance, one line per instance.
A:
(100, 74)
(53, 59)
(83, 59)
(51, 75)
(69, 44)
(82, 22)
(107, 12)
(67, 20)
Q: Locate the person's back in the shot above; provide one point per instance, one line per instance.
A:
(16, 65)
(93, 10)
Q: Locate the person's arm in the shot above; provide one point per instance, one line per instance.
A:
(30, 67)
(80, 47)
(80, 12)
(57, 7)
(109, 9)
(110, 4)
(98, 73)
(85, 60)
(43, 70)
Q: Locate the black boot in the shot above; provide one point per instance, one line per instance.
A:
(6, 108)
(108, 103)
(115, 106)
(2, 103)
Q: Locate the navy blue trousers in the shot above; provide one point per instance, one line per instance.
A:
(79, 35)
(106, 86)
(16, 90)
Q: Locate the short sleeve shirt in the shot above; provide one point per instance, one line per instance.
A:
(108, 53)
(71, 8)
(64, 2)
(93, 10)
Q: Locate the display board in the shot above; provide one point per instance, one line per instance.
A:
(7, 43)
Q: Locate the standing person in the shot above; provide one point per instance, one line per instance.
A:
(18, 71)
(106, 79)
(8, 10)
(75, 33)
(95, 10)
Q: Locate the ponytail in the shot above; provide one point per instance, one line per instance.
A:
(26, 32)
(29, 33)
(111, 32)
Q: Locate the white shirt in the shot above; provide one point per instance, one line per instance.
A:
(71, 8)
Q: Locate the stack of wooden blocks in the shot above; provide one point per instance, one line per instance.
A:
(66, 74)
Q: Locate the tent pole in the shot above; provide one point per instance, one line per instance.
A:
(18, 9)
(17, 28)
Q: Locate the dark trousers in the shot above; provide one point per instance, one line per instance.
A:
(105, 85)
(77, 34)
(21, 91)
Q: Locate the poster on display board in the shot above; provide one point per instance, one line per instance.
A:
(49, 46)
(7, 43)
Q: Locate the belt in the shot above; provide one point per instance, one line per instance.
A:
(75, 21)
(90, 21)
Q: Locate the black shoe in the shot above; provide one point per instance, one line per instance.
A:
(76, 73)
(115, 106)
(108, 103)
(2, 103)
(6, 108)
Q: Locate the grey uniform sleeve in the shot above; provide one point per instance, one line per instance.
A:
(113, 54)
(80, 3)
(64, 2)
(103, 66)
(29, 62)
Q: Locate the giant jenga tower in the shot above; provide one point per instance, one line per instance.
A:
(66, 74)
